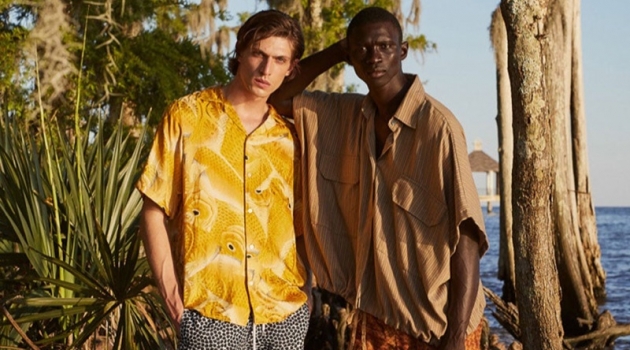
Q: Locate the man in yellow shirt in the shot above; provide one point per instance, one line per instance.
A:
(219, 203)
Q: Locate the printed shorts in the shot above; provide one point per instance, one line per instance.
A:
(201, 333)
(370, 333)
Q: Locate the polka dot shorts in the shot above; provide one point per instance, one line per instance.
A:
(201, 333)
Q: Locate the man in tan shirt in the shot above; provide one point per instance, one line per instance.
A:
(392, 218)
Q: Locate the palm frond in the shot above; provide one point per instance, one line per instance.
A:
(75, 221)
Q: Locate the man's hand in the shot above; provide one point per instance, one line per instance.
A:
(463, 287)
(175, 309)
(455, 342)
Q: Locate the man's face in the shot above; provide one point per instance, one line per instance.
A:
(376, 53)
(264, 65)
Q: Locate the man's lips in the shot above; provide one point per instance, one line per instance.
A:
(261, 82)
(376, 72)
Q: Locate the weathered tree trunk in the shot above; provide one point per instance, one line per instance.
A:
(506, 155)
(532, 187)
(577, 299)
(585, 209)
(314, 17)
(125, 111)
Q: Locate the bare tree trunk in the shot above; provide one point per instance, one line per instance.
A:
(537, 282)
(586, 211)
(579, 306)
(125, 112)
(314, 17)
(506, 154)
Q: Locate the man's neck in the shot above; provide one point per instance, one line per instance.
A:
(388, 98)
(252, 110)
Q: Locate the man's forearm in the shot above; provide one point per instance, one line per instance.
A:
(309, 69)
(463, 288)
(308, 282)
(158, 251)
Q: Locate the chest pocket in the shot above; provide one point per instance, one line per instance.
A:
(419, 202)
(421, 229)
(339, 168)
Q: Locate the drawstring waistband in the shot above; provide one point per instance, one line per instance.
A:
(254, 334)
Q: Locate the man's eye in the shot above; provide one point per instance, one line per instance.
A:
(281, 60)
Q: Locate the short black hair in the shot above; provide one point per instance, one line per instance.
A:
(263, 25)
(374, 14)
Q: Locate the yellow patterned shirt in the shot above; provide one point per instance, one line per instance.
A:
(230, 201)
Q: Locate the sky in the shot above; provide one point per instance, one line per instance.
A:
(461, 74)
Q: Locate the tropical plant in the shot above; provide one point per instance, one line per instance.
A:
(70, 255)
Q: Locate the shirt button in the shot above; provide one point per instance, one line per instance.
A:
(251, 283)
(251, 246)
(250, 210)
(249, 174)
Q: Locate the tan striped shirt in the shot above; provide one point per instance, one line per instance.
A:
(380, 231)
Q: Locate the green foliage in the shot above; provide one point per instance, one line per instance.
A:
(71, 260)
(12, 38)
(136, 53)
(149, 68)
(154, 70)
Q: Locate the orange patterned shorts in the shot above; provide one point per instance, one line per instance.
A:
(369, 333)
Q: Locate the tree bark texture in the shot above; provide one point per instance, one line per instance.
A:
(532, 187)
(313, 14)
(585, 209)
(577, 298)
(506, 154)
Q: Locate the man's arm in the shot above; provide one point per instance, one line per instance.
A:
(309, 68)
(308, 282)
(464, 285)
(158, 250)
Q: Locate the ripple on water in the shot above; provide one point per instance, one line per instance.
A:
(613, 226)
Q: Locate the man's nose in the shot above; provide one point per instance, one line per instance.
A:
(265, 66)
(374, 54)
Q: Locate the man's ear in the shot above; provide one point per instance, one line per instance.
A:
(404, 49)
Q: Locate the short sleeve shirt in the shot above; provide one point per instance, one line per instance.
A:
(229, 198)
(380, 229)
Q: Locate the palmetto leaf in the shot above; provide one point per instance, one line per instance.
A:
(74, 219)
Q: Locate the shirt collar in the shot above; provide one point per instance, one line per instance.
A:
(414, 98)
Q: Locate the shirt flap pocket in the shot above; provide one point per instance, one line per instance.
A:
(418, 201)
(339, 168)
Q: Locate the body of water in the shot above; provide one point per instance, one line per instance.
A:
(613, 228)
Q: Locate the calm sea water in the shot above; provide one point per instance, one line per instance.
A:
(613, 225)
